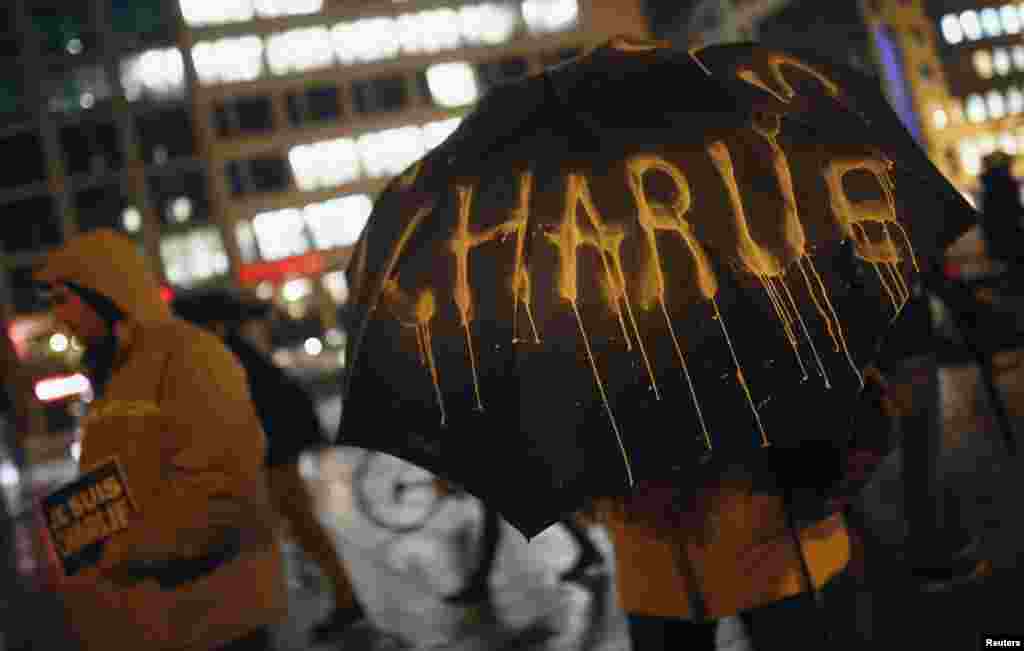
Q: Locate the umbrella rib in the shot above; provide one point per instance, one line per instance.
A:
(686, 373)
(604, 396)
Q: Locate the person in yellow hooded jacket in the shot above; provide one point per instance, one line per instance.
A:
(726, 543)
(199, 566)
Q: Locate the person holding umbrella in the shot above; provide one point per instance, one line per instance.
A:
(290, 420)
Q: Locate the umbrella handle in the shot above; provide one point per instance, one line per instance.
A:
(698, 605)
(805, 569)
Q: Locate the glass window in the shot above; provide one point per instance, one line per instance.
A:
(982, 63)
(30, 225)
(976, 110)
(100, 207)
(91, 147)
(193, 257)
(281, 233)
(325, 164)
(241, 115)
(488, 23)
(970, 24)
(275, 8)
(269, 174)
(154, 74)
(428, 32)
(1001, 61)
(27, 149)
(298, 50)
(215, 12)
(338, 222)
(951, 30)
(996, 107)
(1018, 56)
(543, 16)
(370, 39)
(452, 84)
(990, 23)
(389, 152)
(381, 94)
(435, 133)
(1010, 18)
(229, 59)
(164, 134)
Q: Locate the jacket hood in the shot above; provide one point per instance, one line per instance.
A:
(109, 263)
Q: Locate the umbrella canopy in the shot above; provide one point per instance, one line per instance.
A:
(217, 305)
(631, 264)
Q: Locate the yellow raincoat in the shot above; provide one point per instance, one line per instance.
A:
(740, 550)
(178, 418)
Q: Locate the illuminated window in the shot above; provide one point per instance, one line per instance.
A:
(158, 73)
(990, 22)
(229, 59)
(1018, 56)
(970, 159)
(1011, 19)
(387, 153)
(983, 63)
(452, 84)
(970, 25)
(193, 257)
(434, 133)
(324, 164)
(1001, 61)
(275, 8)
(298, 50)
(428, 32)
(951, 30)
(372, 39)
(1007, 142)
(1014, 101)
(939, 118)
(281, 233)
(996, 106)
(976, 111)
(488, 23)
(338, 222)
(550, 15)
(215, 12)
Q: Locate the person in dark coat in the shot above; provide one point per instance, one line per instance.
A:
(289, 417)
(1002, 211)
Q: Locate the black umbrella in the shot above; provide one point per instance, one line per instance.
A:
(626, 266)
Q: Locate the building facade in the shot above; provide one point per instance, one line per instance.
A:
(242, 142)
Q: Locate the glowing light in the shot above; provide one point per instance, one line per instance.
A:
(435, 133)
(990, 22)
(951, 30)
(452, 84)
(229, 59)
(334, 336)
(939, 118)
(976, 111)
(181, 209)
(63, 386)
(996, 108)
(313, 346)
(1018, 56)
(9, 475)
(76, 450)
(428, 32)
(74, 46)
(276, 8)
(265, 291)
(1001, 61)
(296, 289)
(1014, 101)
(87, 100)
(58, 342)
(131, 218)
(550, 15)
(336, 285)
(1010, 18)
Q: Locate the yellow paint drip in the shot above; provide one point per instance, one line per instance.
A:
(740, 377)
(836, 326)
